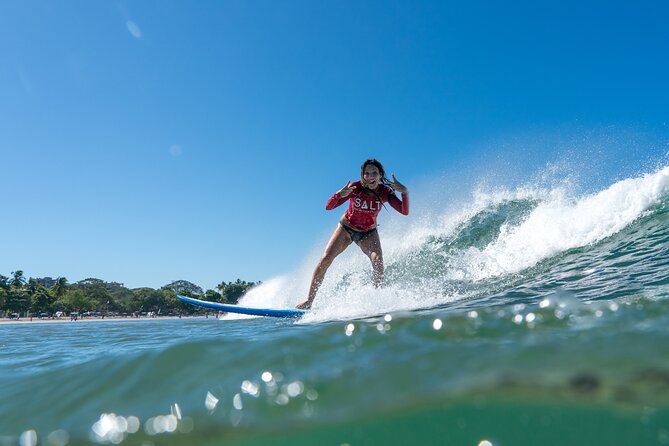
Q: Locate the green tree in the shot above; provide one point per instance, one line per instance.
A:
(184, 287)
(60, 287)
(41, 300)
(96, 291)
(32, 286)
(17, 301)
(120, 299)
(172, 304)
(77, 300)
(213, 296)
(233, 291)
(4, 291)
(91, 281)
(158, 301)
(138, 301)
(18, 281)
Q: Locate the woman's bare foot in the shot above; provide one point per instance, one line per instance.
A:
(304, 305)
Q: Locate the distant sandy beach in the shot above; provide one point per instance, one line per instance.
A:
(36, 320)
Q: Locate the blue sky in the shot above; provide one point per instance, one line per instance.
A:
(145, 142)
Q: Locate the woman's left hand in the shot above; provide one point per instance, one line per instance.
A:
(399, 187)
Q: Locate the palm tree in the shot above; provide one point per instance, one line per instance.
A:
(18, 281)
(4, 291)
(17, 298)
(60, 287)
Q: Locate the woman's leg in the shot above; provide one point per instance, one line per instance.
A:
(371, 246)
(337, 244)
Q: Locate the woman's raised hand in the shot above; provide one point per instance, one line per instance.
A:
(399, 187)
(346, 190)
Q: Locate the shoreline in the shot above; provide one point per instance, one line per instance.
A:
(24, 321)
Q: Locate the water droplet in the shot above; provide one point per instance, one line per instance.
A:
(161, 424)
(251, 388)
(294, 389)
(28, 438)
(176, 411)
(210, 402)
(237, 402)
(312, 395)
(60, 437)
(133, 424)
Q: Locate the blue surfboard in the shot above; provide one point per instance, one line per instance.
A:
(268, 312)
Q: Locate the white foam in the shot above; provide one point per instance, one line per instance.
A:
(558, 224)
(274, 293)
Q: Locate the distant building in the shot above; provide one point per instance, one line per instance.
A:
(46, 282)
(114, 285)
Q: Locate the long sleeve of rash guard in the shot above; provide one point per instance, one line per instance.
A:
(401, 206)
(335, 201)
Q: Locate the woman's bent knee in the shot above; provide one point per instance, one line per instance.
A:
(375, 257)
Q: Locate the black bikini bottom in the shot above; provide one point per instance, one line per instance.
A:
(357, 236)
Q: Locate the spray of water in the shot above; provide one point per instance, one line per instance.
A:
(435, 259)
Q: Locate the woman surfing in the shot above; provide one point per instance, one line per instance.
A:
(358, 225)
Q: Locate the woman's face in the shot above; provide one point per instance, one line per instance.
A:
(371, 176)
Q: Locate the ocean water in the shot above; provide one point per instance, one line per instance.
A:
(531, 317)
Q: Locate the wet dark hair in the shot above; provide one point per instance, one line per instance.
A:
(377, 164)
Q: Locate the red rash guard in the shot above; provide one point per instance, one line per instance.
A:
(365, 205)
